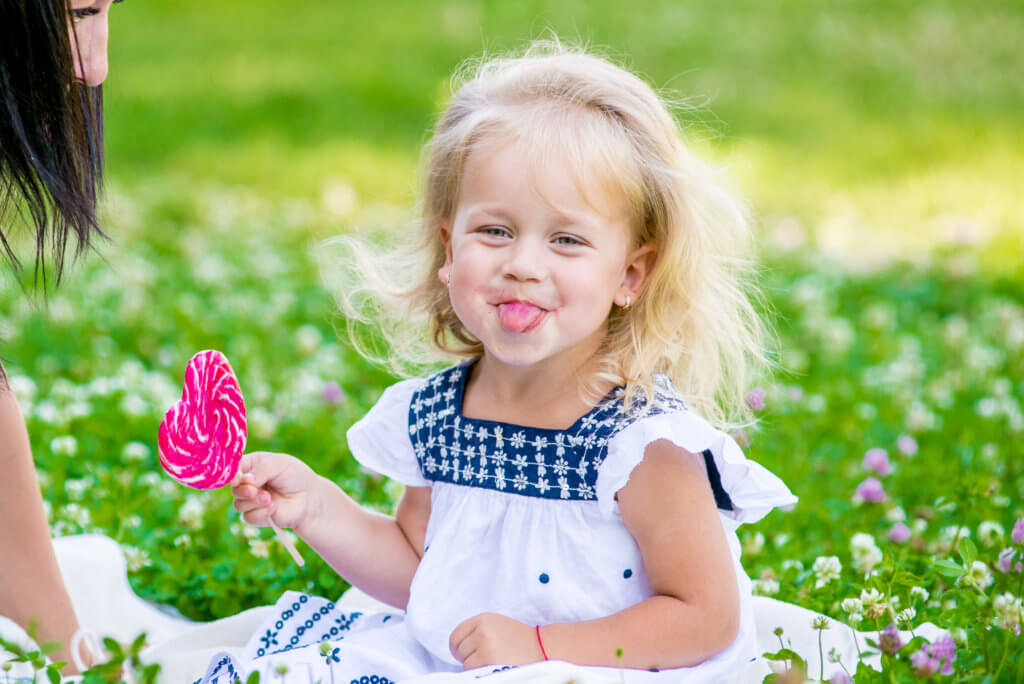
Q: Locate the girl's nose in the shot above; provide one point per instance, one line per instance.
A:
(525, 260)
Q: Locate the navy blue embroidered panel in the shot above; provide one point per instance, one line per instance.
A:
(537, 462)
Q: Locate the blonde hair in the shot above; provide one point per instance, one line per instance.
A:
(693, 321)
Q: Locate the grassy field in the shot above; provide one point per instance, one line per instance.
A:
(879, 143)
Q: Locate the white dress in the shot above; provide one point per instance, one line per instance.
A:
(523, 523)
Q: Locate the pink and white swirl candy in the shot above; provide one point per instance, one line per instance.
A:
(202, 436)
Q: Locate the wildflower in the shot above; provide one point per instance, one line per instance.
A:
(755, 399)
(332, 393)
(135, 451)
(308, 339)
(753, 543)
(840, 677)
(896, 514)
(132, 521)
(182, 541)
(852, 605)
(262, 422)
(1009, 612)
(1005, 561)
(191, 513)
(990, 533)
(826, 569)
(819, 622)
(905, 618)
(856, 619)
(76, 488)
(906, 445)
(834, 656)
(899, 533)
(874, 603)
(259, 548)
(76, 514)
(64, 446)
(766, 587)
(135, 558)
(866, 554)
(870, 490)
(919, 593)
(924, 665)
(877, 460)
(1018, 532)
(889, 640)
(792, 564)
(978, 576)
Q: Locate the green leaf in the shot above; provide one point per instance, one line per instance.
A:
(907, 579)
(967, 550)
(254, 678)
(786, 654)
(949, 568)
(139, 642)
(53, 674)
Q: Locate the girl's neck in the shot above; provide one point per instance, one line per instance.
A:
(541, 395)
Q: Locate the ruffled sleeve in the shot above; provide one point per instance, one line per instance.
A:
(380, 440)
(744, 490)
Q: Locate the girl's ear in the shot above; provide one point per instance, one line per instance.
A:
(444, 230)
(639, 266)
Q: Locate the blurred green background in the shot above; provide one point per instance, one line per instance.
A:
(886, 128)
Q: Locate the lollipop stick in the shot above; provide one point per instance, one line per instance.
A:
(287, 543)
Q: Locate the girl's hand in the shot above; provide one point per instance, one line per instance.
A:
(492, 639)
(278, 485)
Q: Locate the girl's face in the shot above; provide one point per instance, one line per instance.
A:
(88, 33)
(534, 267)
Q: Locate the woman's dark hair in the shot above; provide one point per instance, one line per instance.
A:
(51, 135)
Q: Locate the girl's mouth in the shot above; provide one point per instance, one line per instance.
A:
(519, 316)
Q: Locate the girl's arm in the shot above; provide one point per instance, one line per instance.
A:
(32, 590)
(375, 552)
(670, 511)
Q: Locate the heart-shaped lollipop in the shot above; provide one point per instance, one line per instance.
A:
(202, 436)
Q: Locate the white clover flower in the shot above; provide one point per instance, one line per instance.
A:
(76, 514)
(978, 575)
(182, 541)
(251, 532)
(132, 521)
(856, 619)
(135, 452)
(919, 593)
(896, 514)
(792, 564)
(852, 606)
(865, 558)
(918, 526)
(259, 548)
(134, 405)
(905, 618)
(46, 412)
(919, 417)
(834, 656)
(780, 540)
(1009, 612)
(64, 446)
(191, 513)
(861, 542)
(135, 558)
(990, 533)
(262, 423)
(308, 339)
(150, 479)
(826, 569)
(753, 544)
(820, 622)
(76, 489)
(24, 387)
(874, 603)
(766, 587)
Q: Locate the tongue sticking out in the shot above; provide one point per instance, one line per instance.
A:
(520, 316)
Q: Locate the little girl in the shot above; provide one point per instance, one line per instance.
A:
(566, 497)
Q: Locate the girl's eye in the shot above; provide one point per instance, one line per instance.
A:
(84, 12)
(496, 231)
(568, 240)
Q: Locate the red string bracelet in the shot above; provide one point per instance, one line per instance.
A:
(542, 651)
